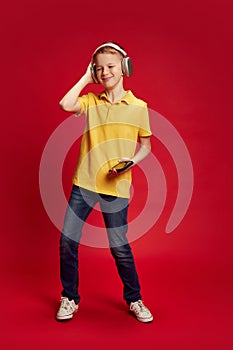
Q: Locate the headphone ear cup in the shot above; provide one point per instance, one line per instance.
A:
(93, 74)
(127, 67)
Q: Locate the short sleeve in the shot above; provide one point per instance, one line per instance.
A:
(144, 129)
(84, 101)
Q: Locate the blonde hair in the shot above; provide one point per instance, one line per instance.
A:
(106, 49)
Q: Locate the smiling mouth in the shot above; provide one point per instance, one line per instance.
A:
(106, 79)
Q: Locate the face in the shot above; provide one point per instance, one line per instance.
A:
(108, 69)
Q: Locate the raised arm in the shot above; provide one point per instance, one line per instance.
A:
(69, 102)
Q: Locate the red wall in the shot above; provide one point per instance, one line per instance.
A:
(182, 57)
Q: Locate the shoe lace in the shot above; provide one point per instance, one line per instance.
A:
(65, 304)
(138, 307)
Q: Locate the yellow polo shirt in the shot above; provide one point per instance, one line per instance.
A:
(111, 133)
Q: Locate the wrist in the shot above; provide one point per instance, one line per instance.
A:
(86, 79)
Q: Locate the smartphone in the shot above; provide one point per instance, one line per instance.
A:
(120, 167)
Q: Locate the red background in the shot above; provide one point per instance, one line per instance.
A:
(182, 56)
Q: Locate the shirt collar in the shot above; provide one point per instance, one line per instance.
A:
(128, 98)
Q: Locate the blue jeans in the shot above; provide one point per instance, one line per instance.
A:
(114, 210)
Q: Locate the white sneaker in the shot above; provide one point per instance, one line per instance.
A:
(66, 309)
(141, 312)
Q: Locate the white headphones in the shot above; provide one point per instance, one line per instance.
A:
(126, 62)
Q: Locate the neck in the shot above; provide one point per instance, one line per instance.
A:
(116, 93)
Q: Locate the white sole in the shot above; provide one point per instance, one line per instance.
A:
(145, 320)
(67, 317)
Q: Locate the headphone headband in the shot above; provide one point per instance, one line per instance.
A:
(114, 46)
